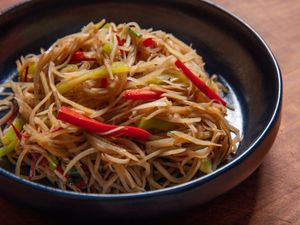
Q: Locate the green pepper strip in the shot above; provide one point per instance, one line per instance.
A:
(53, 162)
(107, 25)
(206, 166)
(70, 68)
(133, 33)
(10, 135)
(73, 176)
(9, 140)
(181, 77)
(101, 72)
(8, 148)
(156, 125)
(154, 79)
(107, 48)
(31, 69)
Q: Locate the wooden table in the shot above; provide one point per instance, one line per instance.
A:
(272, 194)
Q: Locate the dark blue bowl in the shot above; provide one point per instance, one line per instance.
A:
(230, 48)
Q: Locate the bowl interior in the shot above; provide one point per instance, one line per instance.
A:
(229, 49)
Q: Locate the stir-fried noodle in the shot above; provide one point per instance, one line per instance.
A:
(111, 110)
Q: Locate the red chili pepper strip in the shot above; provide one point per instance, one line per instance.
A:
(120, 42)
(24, 134)
(18, 133)
(199, 83)
(148, 42)
(142, 94)
(77, 56)
(61, 171)
(68, 115)
(80, 56)
(26, 74)
(104, 83)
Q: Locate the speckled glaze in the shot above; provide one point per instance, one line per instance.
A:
(230, 49)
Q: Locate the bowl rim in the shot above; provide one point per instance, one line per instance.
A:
(190, 184)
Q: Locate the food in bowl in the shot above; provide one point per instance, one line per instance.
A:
(115, 109)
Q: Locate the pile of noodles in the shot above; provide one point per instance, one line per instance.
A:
(109, 164)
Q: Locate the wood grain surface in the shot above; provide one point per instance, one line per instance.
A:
(272, 194)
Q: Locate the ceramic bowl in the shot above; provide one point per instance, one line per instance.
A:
(230, 48)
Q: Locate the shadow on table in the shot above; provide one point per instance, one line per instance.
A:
(234, 207)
